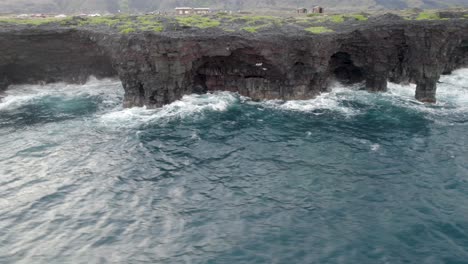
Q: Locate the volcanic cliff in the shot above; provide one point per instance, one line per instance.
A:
(282, 62)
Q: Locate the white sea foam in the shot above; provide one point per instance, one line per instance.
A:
(453, 89)
(375, 147)
(331, 101)
(19, 95)
(452, 95)
(188, 106)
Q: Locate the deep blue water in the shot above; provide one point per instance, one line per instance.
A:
(348, 177)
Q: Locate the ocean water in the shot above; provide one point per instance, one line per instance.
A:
(348, 177)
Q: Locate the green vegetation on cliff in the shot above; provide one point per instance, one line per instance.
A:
(337, 18)
(132, 6)
(109, 21)
(318, 30)
(29, 21)
(150, 23)
(125, 24)
(255, 23)
(428, 15)
(127, 30)
(241, 23)
(198, 21)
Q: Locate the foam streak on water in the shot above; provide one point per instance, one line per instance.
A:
(347, 177)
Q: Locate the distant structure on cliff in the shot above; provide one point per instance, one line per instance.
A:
(302, 10)
(184, 10)
(318, 10)
(315, 10)
(202, 11)
(190, 10)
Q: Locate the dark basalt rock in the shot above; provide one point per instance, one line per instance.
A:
(46, 56)
(387, 17)
(159, 68)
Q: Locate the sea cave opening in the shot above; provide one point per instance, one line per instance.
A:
(243, 71)
(344, 70)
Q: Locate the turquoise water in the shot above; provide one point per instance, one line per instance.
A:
(348, 177)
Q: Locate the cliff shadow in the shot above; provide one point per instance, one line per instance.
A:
(343, 69)
(459, 57)
(243, 71)
(50, 58)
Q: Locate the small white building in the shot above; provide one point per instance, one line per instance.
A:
(202, 11)
(184, 10)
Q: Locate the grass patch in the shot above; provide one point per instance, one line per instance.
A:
(428, 16)
(256, 20)
(159, 28)
(328, 18)
(337, 18)
(255, 23)
(123, 23)
(255, 29)
(108, 21)
(318, 30)
(222, 14)
(149, 23)
(359, 17)
(250, 29)
(127, 30)
(198, 21)
(29, 21)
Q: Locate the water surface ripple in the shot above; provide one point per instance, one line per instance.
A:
(348, 177)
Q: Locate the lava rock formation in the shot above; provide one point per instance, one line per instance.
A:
(159, 68)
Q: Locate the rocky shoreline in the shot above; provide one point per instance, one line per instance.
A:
(279, 62)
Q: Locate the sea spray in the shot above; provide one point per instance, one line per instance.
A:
(348, 176)
(18, 95)
(192, 106)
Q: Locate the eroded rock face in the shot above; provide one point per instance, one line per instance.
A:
(46, 56)
(156, 69)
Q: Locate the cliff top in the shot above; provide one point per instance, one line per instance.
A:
(112, 6)
(230, 23)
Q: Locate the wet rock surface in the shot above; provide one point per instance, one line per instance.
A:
(287, 63)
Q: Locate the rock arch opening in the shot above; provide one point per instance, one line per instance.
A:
(344, 70)
(243, 71)
(461, 55)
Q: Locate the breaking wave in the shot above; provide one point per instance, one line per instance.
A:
(452, 96)
(330, 101)
(189, 106)
(19, 95)
(350, 175)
